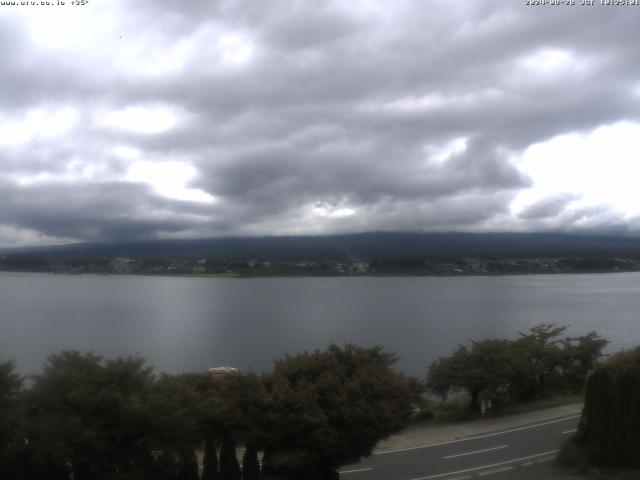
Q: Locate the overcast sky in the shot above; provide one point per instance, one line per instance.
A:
(124, 120)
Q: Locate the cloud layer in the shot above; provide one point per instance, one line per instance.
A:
(200, 118)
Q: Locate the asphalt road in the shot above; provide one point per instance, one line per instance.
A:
(494, 455)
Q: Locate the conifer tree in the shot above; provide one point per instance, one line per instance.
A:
(210, 461)
(609, 431)
(166, 467)
(229, 467)
(250, 464)
(188, 465)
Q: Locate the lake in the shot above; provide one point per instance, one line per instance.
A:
(191, 324)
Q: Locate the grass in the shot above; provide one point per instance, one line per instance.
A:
(456, 409)
(549, 402)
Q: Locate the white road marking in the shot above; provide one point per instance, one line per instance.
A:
(356, 470)
(486, 466)
(429, 445)
(542, 460)
(566, 432)
(477, 451)
(528, 427)
(497, 470)
(527, 464)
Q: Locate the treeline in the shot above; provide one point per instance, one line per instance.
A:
(89, 418)
(495, 372)
(24, 263)
(359, 246)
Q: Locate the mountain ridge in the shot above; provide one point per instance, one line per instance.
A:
(353, 247)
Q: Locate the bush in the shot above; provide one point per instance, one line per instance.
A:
(572, 455)
(609, 431)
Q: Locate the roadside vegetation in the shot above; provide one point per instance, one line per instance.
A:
(89, 418)
(541, 368)
(609, 432)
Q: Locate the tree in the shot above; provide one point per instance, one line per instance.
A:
(165, 466)
(330, 408)
(188, 465)
(581, 356)
(233, 407)
(229, 467)
(557, 364)
(210, 460)
(250, 464)
(541, 346)
(91, 414)
(493, 368)
(609, 430)
(177, 411)
(11, 440)
(445, 374)
(487, 369)
(537, 363)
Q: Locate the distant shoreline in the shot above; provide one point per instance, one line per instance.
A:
(320, 275)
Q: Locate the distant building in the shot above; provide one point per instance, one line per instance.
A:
(122, 265)
(361, 267)
(222, 372)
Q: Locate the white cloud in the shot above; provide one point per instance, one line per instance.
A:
(324, 210)
(11, 236)
(442, 153)
(144, 119)
(235, 48)
(433, 102)
(62, 28)
(36, 123)
(169, 179)
(601, 166)
(547, 60)
(549, 64)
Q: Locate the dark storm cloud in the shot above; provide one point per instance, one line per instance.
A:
(308, 29)
(95, 211)
(548, 207)
(344, 116)
(270, 178)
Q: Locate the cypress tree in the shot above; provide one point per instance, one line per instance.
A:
(166, 466)
(188, 465)
(632, 450)
(622, 386)
(210, 461)
(229, 467)
(609, 430)
(57, 472)
(250, 464)
(267, 467)
(82, 471)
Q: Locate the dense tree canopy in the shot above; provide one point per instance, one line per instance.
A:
(91, 414)
(330, 408)
(537, 363)
(89, 418)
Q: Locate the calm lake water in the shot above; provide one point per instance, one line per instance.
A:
(188, 324)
